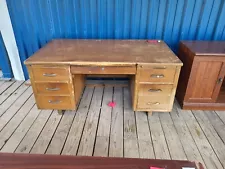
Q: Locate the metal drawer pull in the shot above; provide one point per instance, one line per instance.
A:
(55, 102)
(155, 103)
(52, 89)
(157, 76)
(49, 74)
(154, 90)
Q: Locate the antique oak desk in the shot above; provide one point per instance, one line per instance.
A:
(57, 71)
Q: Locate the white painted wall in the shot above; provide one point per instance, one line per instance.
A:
(10, 42)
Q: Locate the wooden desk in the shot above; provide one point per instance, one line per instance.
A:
(28, 161)
(57, 71)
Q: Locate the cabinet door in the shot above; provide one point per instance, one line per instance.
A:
(205, 81)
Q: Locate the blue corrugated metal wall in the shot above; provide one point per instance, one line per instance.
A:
(36, 22)
(4, 60)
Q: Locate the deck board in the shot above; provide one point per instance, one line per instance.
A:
(188, 143)
(21, 131)
(116, 133)
(33, 133)
(12, 125)
(87, 142)
(46, 135)
(102, 138)
(99, 130)
(130, 128)
(207, 152)
(172, 138)
(158, 138)
(73, 140)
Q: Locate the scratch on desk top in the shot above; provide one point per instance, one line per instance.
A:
(104, 52)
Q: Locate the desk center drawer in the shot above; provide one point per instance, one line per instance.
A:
(103, 69)
(53, 88)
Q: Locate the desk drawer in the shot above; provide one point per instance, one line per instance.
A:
(54, 102)
(50, 73)
(154, 90)
(53, 88)
(157, 74)
(153, 102)
(103, 69)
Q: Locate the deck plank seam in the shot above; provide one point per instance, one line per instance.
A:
(72, 122)
(29, 127)
(110, 129)
(10, 93)
(85, 120)
(7, 87)
(16, 127)
(164, 135)
(40, 131)
(178, 135)
(177, 107)
(54, 133)
(150, 134)
(215, 128)
(207, 138)
(14, 101)
(100, 111)
(16, 112)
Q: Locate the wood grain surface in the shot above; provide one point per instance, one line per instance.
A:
(201, 83)
(103, 52)
(25, 161)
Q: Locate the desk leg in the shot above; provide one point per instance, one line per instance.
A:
(60, 112)
(149, 113)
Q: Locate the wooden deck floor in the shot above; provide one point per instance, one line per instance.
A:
(98, 130)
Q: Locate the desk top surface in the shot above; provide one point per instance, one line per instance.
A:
(104, 52)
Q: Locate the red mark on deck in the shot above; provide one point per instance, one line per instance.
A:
(112, 104)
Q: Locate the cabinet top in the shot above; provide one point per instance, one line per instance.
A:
(203, 48)
(104, 52)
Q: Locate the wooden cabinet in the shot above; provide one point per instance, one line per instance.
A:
(201, 79)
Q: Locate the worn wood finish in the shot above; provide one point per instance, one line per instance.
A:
(180, 134)
(103, 70)
(103, 52)
(158, 94)
(78, 85)
(201, 79)
(9, 161)
(53, 89)
(153, 74)
(153, 102)
(54, 102)
(154, 90)
(47, 73)
(57, 70)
